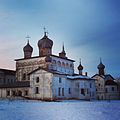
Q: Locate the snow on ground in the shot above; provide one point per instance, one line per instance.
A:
(65, 110)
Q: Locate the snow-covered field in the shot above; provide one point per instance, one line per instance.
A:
(65, 110)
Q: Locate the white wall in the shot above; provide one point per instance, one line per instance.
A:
(66, 68)
(110, 94)
(89, 90)
(64, 84)
(44, 84)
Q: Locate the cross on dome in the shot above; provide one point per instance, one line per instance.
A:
(45, 31)
(28, 37)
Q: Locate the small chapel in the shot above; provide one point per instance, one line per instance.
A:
(48, 76)
(107, 87)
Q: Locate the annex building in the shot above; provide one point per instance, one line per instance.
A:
(107, 87)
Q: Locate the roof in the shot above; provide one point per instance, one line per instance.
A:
(50, 71)
(63, 58)
(108, 76)
(110, 82)
(105, 77)
(79, 77)
(44, 56)
(97, 75)
(16, 84)
(8, 72)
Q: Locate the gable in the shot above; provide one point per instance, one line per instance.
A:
(108, 77)
(98, 77)
(40, 71)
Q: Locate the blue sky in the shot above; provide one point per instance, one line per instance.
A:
(90, 29)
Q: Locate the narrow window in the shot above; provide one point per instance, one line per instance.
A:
(106, 90)
(71, 65)
(87, 91)
(8, 81)
(8, 93)
(28, 77)
(60, 80)
(24, 76)
(11, 80)
(69, 91)
(26, 92)
(37, 80)
(113, 89)
(82, 91)
(59, 91)
(62, 91)
(37, 90)
(90, 85)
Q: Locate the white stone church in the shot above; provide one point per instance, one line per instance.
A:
(48, 76)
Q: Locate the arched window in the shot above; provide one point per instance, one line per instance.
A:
(37, 90)
(63, 64)
(37, 79)
(67, 65)
(59, 63)
(24, 76)
(71, 66)
(54, 61)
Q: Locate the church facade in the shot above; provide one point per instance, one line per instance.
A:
(48, 76)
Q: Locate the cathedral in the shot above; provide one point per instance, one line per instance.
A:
(48, 76)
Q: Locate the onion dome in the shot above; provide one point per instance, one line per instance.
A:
(80, 67)
(28, 48)
(101, 66)
(45, 42)
(48, 59)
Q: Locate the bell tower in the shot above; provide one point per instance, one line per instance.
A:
(101, 68)
(63, 53)
(80, 68)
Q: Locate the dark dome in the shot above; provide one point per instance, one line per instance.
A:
(101, 66)
(28, 48)
(48, 59)
(110, 82)
(80, 67)
(45, 42)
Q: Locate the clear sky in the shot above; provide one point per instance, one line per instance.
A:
(90, 29)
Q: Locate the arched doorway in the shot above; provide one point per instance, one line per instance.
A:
(19, 93)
